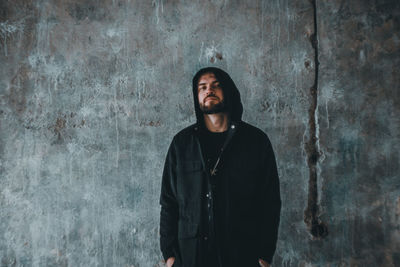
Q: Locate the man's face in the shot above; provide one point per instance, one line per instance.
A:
(210, 94)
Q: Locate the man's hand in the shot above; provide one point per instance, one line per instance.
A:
(263, 263)
(170, 261)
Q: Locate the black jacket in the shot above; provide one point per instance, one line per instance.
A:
(246, 218)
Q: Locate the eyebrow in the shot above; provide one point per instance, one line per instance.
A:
(206, 83)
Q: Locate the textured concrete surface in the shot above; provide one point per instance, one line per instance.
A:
(92, 92)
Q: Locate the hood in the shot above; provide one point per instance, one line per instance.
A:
(231, 94)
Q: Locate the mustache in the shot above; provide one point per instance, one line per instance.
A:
(210, 97)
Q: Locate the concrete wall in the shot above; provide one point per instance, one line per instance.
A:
(92, 92)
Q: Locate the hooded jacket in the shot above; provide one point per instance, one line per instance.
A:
(247, 211)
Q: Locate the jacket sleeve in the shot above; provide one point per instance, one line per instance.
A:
(169, 207)
(272, 204)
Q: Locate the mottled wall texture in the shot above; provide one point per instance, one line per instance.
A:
(92, 93)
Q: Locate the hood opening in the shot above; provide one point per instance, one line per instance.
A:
(231, 94)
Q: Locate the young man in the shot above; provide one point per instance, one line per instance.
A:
(220, 199)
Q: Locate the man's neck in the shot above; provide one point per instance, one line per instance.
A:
(216, 122)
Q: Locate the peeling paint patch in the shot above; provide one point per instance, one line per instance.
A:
(210, 53)
(317, 228)
(59, 126)
(150, 123)
(7, 29)
(87, 9)
(158, 4)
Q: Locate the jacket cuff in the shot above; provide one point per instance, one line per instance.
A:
(267, 259)
(168, 254)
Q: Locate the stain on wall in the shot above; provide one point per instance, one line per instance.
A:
(92, 93)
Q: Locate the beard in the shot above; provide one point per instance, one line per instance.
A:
(213, 108)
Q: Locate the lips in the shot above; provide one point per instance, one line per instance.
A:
(211, 97)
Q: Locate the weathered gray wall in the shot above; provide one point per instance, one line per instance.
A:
(92, 92)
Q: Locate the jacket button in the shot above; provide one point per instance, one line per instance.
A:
(233, 126)
(205, 238)
(195, 128)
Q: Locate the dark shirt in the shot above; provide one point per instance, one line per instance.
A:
(211, 144)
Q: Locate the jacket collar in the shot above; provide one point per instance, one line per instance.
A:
(233, 126)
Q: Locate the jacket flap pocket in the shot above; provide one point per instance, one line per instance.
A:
(190, 166)
(187, 230)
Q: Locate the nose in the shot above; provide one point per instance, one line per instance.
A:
(209, 90)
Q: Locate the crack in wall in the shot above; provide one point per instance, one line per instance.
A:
(317, 228)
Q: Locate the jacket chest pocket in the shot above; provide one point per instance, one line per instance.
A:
(189, 183)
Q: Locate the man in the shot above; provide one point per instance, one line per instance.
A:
(220, 199)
